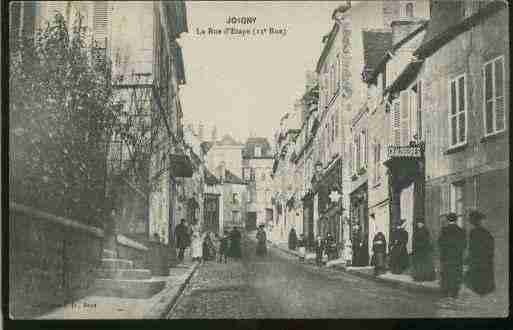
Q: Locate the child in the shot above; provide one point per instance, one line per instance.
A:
(224, 247)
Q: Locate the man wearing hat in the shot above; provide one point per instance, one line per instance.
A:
(452, 242)
(480, 275)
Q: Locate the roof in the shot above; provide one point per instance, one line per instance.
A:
(384, 59)
(228, 140)
(375, 45)
(229, 177)
(327, 47)
(405, 77)
(252, 143)
(210, 178)
(447, 21)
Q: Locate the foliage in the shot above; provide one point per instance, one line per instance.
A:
(61, 119)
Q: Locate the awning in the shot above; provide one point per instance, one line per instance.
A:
(181, 166)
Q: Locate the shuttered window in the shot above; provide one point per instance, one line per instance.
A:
(405, 118)
(419, 110)
(494, 111)
(396, 124)
(101, 22)
(457, 112)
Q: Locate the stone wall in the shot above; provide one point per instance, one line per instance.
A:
(51, 260)
(132, 250)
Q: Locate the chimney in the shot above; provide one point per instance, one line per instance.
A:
(200, 131)
(214, 134)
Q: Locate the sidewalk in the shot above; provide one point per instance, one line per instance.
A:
(402, 281)
(97, 307)
(469, 304)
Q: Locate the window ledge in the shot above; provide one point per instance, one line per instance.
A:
(455, 149)
(493, 137)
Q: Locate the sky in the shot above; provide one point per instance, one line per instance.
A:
(244, 84)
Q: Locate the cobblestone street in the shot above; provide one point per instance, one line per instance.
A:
(278, 286)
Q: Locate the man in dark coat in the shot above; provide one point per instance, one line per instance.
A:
(292, 239)
(182, 238)
(235, 237)
(399, 259)
(357, 242)
(452, 242)
(480, 275)
(261, 241)
(423, 269)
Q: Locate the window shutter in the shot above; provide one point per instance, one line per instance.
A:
(52, 7)
(101, 22)
(396, 125)
(499, 95)
(445, 203)
(405, 118)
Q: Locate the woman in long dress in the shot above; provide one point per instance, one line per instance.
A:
(399, 259)
(423, 268)
(379, 249)
(197, 244)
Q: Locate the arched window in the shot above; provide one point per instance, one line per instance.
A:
(408, 10)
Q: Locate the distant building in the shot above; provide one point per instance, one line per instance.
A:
(257, 161)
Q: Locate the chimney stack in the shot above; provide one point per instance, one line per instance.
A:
(200, 131)
(214, 134)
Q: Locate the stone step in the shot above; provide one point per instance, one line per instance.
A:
(109, 254)
(115, 263)
(139, 289)
(124, 274)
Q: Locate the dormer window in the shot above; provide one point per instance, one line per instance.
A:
(407, 10)
(258, 152)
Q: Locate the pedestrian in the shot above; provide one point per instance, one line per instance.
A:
(235, 249)
(423, 268)
(319, 250)
(302, 247)
(197, 242)
(224, 247)
(348, 252)
(379, 253)
(356, 243)
(208, 247)
(292, 239)
(399, 259)
(182, 239)
(331, 247)
(480, 275)
(261, 237)
(452, 242)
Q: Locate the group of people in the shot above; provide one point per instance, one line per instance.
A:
(206, 246)
(452, 245)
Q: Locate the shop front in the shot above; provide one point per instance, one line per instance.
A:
(406, 185)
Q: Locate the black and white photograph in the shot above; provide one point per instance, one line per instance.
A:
(172, 160)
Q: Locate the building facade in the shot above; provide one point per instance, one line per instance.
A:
(465, 79)
(257, 160)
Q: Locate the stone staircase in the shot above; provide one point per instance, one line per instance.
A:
(118, 278)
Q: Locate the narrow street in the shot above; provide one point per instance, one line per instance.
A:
(278, 286)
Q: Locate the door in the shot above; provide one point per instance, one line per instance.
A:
(251, 221)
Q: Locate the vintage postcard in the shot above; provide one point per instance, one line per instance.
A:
(258, 159)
